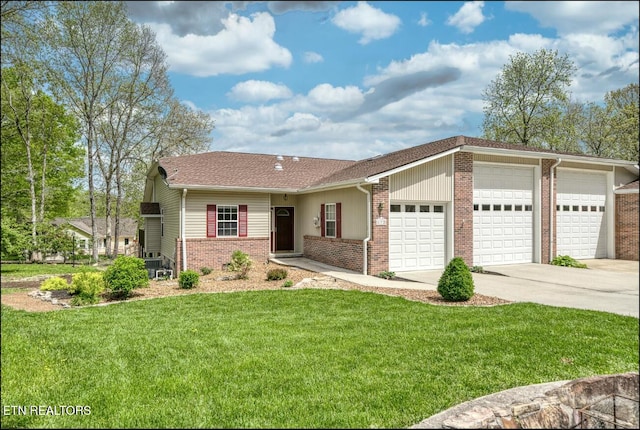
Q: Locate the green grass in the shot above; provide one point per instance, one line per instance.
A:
(292, 359)
(17, 271)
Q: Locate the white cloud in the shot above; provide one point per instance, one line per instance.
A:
(468, 17)
(312, 57)
(580, 16)
(259, 91)
(244, 45)
(372, 23)
(424, 21)
(328, 95)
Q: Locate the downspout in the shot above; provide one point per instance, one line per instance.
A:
(365, 241)
(551, 209)
(182, 229)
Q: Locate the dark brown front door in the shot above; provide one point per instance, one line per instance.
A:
(284, 228)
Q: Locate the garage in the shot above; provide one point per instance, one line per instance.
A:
(581, 218)
(416, 236)
(502, 214)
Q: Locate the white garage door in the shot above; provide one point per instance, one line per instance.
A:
(581, 218)
(416, 236)
(502, 214)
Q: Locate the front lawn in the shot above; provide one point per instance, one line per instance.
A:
(291, 359)
(15, 271)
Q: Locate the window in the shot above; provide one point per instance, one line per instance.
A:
(576, 208)
(409, 208)
(497, 207)
(476, 207)
(507, 207)
(395, 208)
(486, 207)
(226, 220)
(330, 220)
(425, 208)
(438, 209)
(528, 208)
(126, 241)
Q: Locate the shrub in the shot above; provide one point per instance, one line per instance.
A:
(240, 263)
(387, 275)
(567, 261)
(86, 287)
(276, 274)
(288, 284)
(205, 271)
(125, 274)
(188, 279)
(456, 283)
(55, 283)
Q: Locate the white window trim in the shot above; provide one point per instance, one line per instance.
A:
(327, 220)
(218, 220)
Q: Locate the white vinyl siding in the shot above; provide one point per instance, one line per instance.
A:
(354, 212)
(152, 236)
(257, 211)
(170, 203)
(429, 181)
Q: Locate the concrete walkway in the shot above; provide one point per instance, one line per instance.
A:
(607, 285)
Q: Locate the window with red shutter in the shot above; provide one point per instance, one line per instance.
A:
(242, 220)
(211, 220)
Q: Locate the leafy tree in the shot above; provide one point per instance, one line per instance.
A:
(83, 51)
(528, 98)
(623, 107)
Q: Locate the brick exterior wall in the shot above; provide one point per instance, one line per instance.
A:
(214, 252)
(378, 246)
(463, 206)
(345, 253)
(627, 231)
(545, 218)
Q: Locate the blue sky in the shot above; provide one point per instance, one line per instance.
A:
(352, 80)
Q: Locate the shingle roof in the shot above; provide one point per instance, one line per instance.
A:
(393, 160)
(244, 170)
(233, 169)
(128, 226)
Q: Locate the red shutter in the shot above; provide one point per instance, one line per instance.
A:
(322, 220)
(212, 217)
(338, 220)
(242, 220)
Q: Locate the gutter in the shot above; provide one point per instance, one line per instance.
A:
(183, 228)
(365, 241)
(551, 209)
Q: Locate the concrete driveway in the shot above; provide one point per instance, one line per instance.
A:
(607, 285)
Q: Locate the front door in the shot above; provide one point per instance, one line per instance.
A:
(284, 229)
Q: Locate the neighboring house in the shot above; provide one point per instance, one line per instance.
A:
(414, 209)
(81, 229)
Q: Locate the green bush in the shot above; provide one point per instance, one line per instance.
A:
(240, 263)
(55, 283)
(276, 274)
(456, 283)
(567, 261)
(205, 271)
(188, 279)
(386, 274)
(86, 288)
(288, 284)
(125, 274)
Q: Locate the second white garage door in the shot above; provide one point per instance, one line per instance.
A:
(581, 217)
(502, 214)
(416, 236)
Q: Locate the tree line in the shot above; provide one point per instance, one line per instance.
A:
(529, 104)
(87, 106)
